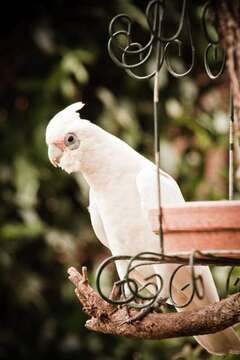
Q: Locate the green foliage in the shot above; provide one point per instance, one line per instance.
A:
(54, 53)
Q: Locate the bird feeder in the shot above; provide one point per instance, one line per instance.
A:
(205, 232)
(212, 227)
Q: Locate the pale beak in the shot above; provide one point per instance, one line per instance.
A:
(54, 154)
(55, 162)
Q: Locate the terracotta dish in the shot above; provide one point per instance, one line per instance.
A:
(209, 226)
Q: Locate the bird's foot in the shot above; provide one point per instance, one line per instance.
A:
(115, 292)
(139, 316)
(115, 295)
(144, 311)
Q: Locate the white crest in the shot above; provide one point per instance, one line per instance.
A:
(74, 107)
(61, 120)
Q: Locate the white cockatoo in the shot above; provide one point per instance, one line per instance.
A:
(122, 190)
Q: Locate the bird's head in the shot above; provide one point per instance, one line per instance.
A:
(65, 134)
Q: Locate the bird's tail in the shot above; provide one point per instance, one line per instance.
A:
(221, 342)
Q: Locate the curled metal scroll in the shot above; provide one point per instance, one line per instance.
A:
(178, 43)
(197, 286)
(233, 280)
(213, 45)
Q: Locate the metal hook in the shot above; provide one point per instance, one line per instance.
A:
(236, 282)
(161, 5)
(213, 45)
(209, 72)
(179, 44)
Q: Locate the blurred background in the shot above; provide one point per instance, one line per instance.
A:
(54, 53)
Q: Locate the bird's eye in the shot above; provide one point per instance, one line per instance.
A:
(71, 141)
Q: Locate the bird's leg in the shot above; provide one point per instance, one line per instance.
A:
(126, 307)
(139, 316)
(124, 296)
(143, 312)
(115, 294)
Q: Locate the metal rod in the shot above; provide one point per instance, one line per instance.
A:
(231, 149)
(158, 15)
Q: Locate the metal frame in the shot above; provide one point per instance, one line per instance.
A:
(132, 59)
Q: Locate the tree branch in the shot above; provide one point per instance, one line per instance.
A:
(228, 13)
(109, 319)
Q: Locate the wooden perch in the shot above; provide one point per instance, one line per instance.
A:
(110, 319)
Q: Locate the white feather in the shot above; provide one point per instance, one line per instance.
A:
(96, 220)
(122, 190)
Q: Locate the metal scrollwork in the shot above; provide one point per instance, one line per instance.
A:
(132, 291)
(155, 13)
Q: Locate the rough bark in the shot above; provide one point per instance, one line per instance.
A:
(228, 22)
(109, 319)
